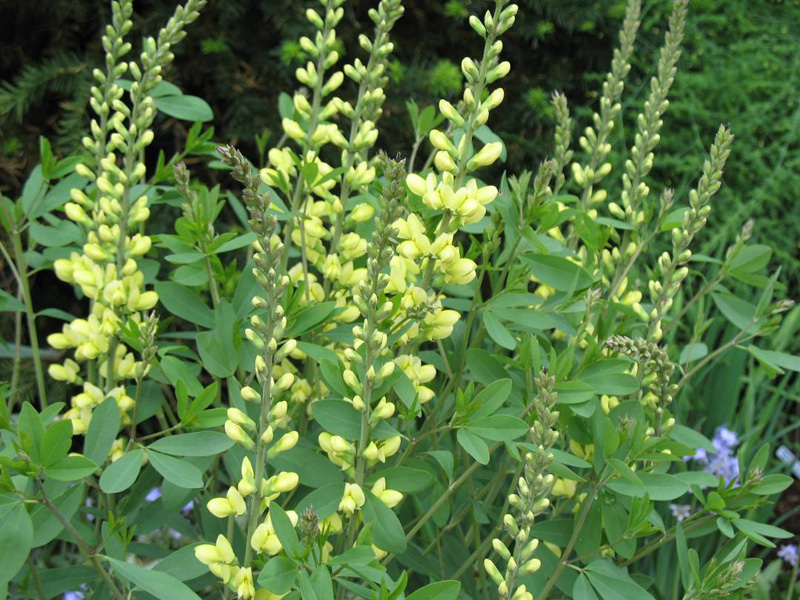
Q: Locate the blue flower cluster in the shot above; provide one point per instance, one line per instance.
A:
(789, 554)
(722, 463)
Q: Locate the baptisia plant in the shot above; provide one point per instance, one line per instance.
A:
(393, 378)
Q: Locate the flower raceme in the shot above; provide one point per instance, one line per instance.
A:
(107, 272)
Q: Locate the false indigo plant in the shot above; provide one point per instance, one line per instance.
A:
(395, 377)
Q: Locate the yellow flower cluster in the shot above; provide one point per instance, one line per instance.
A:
(107, 272)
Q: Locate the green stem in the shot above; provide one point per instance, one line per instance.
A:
(17, 352)
(24, 282)
(36, 581)
(261, 462)
(84, 547)
(562, 562)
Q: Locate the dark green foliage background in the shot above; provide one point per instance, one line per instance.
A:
(741, 65)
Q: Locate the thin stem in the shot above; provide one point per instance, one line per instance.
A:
(22, 273)
(739, 337)
(261, 462)
(35, 576)
(135, 417)
(562, 562)
(84, 547)
(710, 285)
(17, 351)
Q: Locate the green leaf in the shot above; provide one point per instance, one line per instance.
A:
(692, 352)
(278, 576)
(608, 377)
(624, 470)
(658, 486)
(184, 303)
(30, 430)
(314, 469)
(120, 475)
(217, 348)
(182, 564)
(582, 590)
(102, 431)
(474, 445)
(34, 188)
(441, 590)
(325, 499)
(776, 359)
(491, 398)
(772, 484)
(498, 332)
(338, 417)
(573, 392)
(690, 437)
(216, 355)
(739, 312)
(185, 108)
(191, 275)
(200, 443)
(285, 530)
(484, 366)
(71, 468)
(332, 376)
(683, 555)
(387, 531)
(309, 318)
(176, 471)
(557, 272)
(498, 428)
(318, 586)
(614, 583)
(16, 539)
(759, 532)
(65, 232)
(56, 442)
(159, 584)
(749, 260)
(699, 478)
(10, 304)
(240, 241)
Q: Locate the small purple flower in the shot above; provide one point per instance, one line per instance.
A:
(153, 494)
(74, 596)
(681, 512)
(725, 439)
(187, 508)
(700, 456)
(88, 504)
(724, 465)
(789, 554)
(175, 535)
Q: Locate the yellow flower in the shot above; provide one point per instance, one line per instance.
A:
(564, 487)
(264, 537)
(232, 504)
(390, 498)
(243, 582)
(353, 498)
